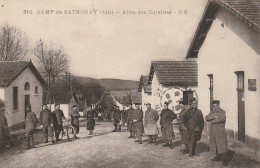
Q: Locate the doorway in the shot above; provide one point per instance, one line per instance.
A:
(27, 102)
(241, 106)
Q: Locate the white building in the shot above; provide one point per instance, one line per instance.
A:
(146, 91)
(227, 46)
(172, 81)
(20, 84)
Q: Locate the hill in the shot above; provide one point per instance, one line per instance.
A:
(109, 84)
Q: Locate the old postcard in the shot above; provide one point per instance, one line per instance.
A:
(129, 84)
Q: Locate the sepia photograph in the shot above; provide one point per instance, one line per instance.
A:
(130, 84)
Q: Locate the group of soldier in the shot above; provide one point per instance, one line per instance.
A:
(191, 126)
(51, 123)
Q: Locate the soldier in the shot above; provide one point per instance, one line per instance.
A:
(124, 116)
(90, 121)
(4, 131)
(75, 120)
(150, 124)
(130, 123)
(59, 115)
(138, 123)
(218, 137)
(182, 128)
(46, 121)
(167, 116)
(117, 118)
(30, 125)
(194, 123)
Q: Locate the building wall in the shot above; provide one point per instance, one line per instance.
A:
(146, 98)
(173, 94)
(2, 93)
(230, 46)
(17, 116)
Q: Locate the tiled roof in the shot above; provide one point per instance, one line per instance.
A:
(175, 73)
(247, 10)
(143, 81)
(148, 88)
(9, 70)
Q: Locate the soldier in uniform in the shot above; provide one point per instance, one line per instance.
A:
(124, 116)
(90, 121)
(194, 123)
(218, 137)
(75, 120)
(150, 124)
(30, 125)
(182, 128)
(130, 123)
(59, 116)
(167, 116)
(138, 123)
(4, 131)
(117, 118)
(46, 121)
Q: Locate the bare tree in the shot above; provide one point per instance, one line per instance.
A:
(13, 44)
(52, 62)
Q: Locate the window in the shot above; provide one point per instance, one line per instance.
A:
(27, 86)
(187, 97)
(36, 90)
(240, 80)
(15, 98)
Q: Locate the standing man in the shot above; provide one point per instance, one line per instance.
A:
(30, 125)
(194, 123)
(4, 131)
(117, 118)
(59, 115)
(150, 124)
(90, 121)
(182, 128)
(46, 121)
(138, 123)
(218, 137)
(167, 116)
(124, 116)
(130, 122)
(75, 120)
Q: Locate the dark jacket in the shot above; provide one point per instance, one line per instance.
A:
(194, 122)
(90, 120)
(130, 114)
(31, 120)
(167, 116)
(46, 118)
(138, 115)
(117, 114)
(59, 116)
(75, 117)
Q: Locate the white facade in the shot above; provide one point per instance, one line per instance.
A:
(146, 98)
(6, 93)
(231, 46)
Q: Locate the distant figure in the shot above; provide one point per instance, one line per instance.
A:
(46, 121)
(194, 123)
(117, 118)
(90, 121)
(167, 116)
(30, 126)
(58, 125)
(218, 144)
(138, 123)
(130, 122)
(124, 116)
(150, 124)
(75, 120)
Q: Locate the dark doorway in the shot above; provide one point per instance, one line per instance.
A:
(27, 102)
(241, 106)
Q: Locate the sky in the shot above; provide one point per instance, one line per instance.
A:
(119, 45)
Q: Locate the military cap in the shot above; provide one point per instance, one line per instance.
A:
(57, 104)
(148, 103)
(74, 106)
(137, 103)
(216, 101)
(166, 102)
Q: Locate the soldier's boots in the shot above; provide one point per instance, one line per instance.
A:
(171, 145)
(156, 142)
(115, 129)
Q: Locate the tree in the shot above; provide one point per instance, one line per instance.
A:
(52, 62)
(13, 44)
